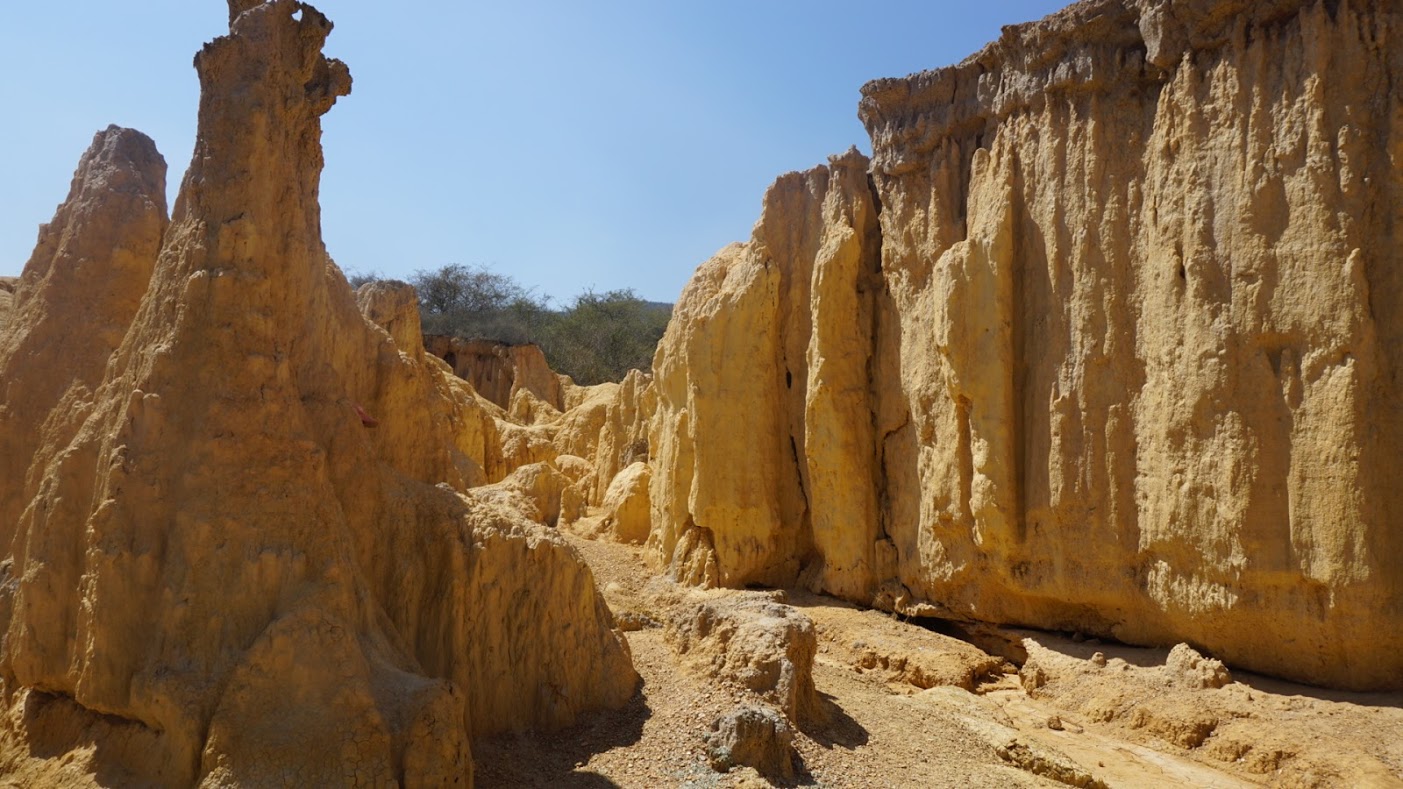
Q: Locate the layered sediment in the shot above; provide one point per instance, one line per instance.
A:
(1118, 357)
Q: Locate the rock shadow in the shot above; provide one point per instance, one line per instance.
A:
(556, 758)
(55, 725)
(833, 726)
(1282, 687)
(1155, 657)
(1074, 645)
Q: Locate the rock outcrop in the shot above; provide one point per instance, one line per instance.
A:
(1188, 668)
(627, 511)
(73, 304)
(499, 371)
(246, 548)
(752, 736)
(623, 438)
(7, 299)
(752, 641)
(540, 492)
(738, 485)
(1105, 345)
(579, 429)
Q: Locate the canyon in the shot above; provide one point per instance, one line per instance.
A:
(1050, 444)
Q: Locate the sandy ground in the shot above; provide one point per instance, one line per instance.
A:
(908, 707)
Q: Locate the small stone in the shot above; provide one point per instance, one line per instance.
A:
(633, 621)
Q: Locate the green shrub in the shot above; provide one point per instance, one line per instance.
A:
(597, 337)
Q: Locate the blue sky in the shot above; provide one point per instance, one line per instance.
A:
(571, 145)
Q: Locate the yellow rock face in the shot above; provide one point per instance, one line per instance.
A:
(578, 430)
(623, 438)
(1128, 367)
(499, 372)
(540, 492)
(627, 511)
(734, 483)
(752, 641)
(246, 538)
(7, 299)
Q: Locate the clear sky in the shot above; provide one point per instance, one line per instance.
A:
(572, 145)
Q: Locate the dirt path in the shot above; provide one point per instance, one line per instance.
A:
(908, 707)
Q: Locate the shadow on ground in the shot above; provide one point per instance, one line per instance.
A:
(833, 727)
(557, 759)
(1153, 657)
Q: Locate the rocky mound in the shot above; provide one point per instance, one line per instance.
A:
(245, 548)
(1103, 345)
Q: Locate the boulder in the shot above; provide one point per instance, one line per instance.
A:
(1188, 668)
(752, 736)
(541, 493)
(627, 512)
(754, 642)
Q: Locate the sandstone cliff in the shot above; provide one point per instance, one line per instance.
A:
(7, 299)
(734, 500)
(245, 551)
(499, 371)
(623, 438)
(77, 296)
(1127, 364)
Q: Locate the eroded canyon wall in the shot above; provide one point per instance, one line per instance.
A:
(1133, 348)
(738, 373)
(7, 299)
(245, 551)
(498, 370)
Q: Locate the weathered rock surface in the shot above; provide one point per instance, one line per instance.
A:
(73, 303)
(1269, 731)
(579, 429)
(498, 371)
(923, 661)
(246, 545)
(752, 736)
(623, 438)
(7, 299)
(627, 511)
(394, 307)
(734, 484)
(1126, 366)
(759, 644)
(541, 493)
(1187, 667)
(985, 722)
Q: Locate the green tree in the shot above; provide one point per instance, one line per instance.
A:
(475, 303)
(601, 336)
(598, 337)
